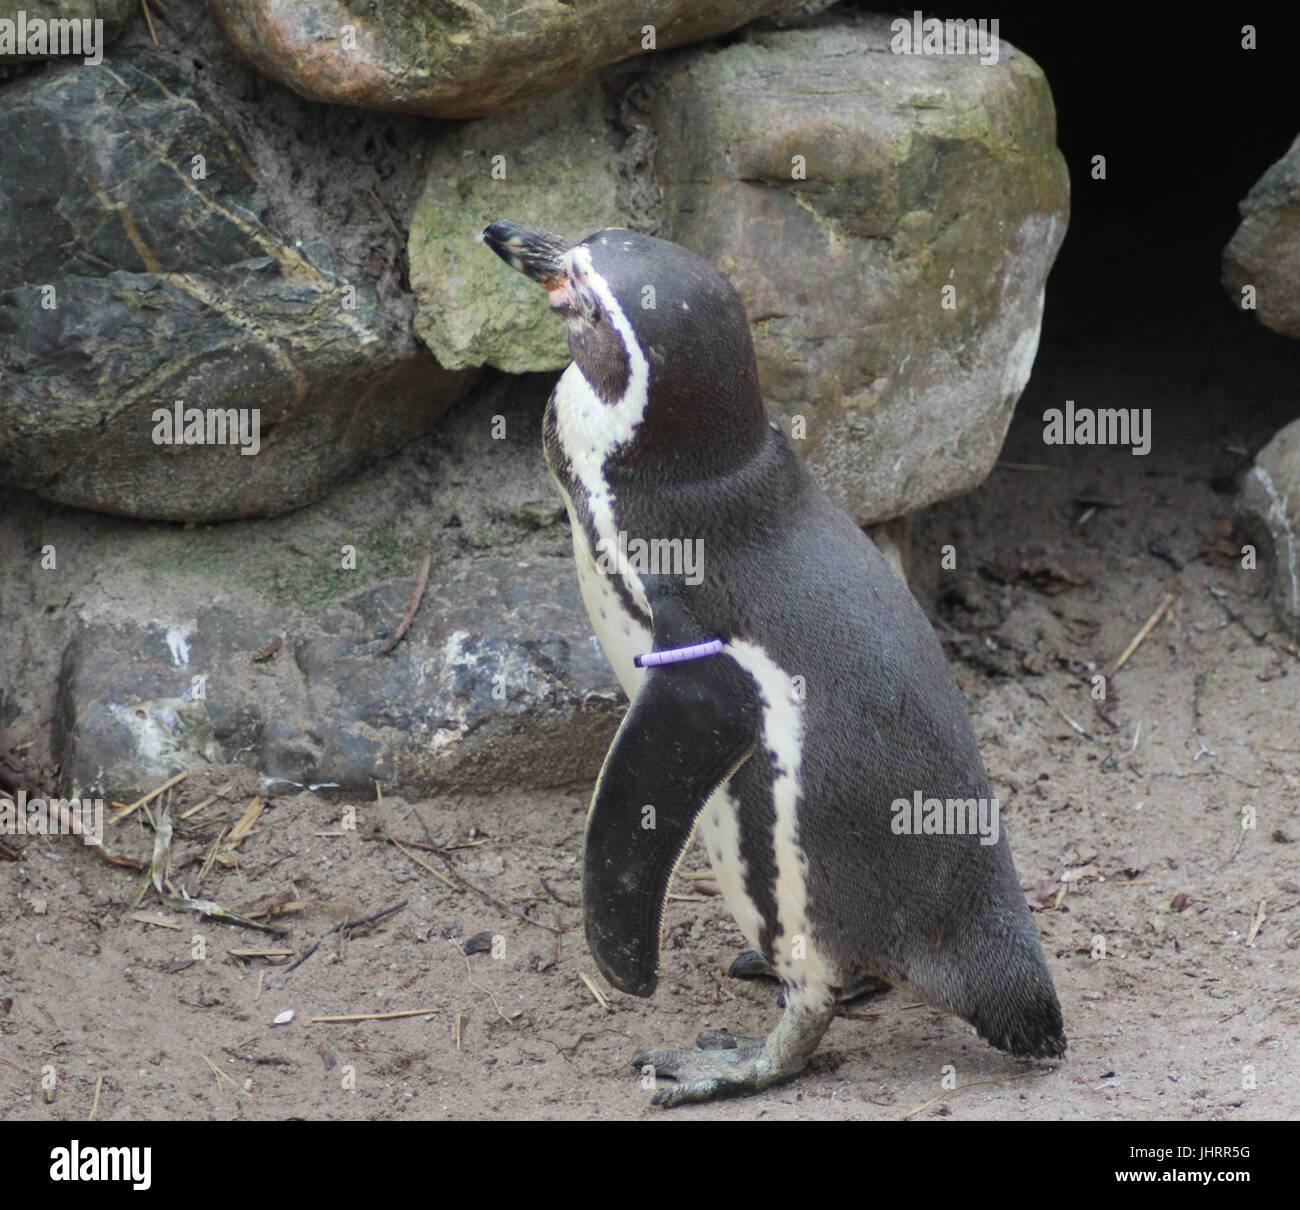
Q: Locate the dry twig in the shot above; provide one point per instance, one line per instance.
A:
(409, 616)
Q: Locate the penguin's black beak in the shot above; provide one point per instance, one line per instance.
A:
(536, 254)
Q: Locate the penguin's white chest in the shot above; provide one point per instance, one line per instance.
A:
(622, 635)
(589, 430)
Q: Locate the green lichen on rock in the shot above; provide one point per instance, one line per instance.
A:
(296, 561)
(551, 166)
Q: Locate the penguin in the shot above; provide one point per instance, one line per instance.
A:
(788, 695)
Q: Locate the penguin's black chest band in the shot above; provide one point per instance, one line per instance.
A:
(677, 655)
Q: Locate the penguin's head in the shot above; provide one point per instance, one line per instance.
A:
(652, 327)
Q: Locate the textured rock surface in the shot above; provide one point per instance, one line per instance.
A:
(1265, 251)
(501, 682)
(498, 682)
(137, 276)
(1268, 508)
(923, 172)
(553, 163)
(923, 175)
(455, 59)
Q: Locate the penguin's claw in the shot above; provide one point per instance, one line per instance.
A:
(751, 965)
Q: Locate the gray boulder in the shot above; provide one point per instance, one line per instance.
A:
(1268, 509)
(1265, 250)
(501, 683)
(895, 291)
(144, 262)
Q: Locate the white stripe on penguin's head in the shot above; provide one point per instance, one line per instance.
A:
(635, 394)
(589, 427)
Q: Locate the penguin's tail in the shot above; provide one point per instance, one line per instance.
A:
(989, 970)
(1009, 996)
(1029, 1025)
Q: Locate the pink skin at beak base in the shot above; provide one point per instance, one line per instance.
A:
(561, 294)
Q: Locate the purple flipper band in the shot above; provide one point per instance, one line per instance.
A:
(677, 655)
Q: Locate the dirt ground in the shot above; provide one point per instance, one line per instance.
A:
(1125, 818)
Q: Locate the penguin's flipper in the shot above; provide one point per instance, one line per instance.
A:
(691, 726)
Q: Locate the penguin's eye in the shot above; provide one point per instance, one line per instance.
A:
(597, 315)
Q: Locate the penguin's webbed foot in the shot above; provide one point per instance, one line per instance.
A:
(733, 1066)
(703, 1075)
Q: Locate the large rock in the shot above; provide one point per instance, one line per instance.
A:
(129, 646)
(456, 59)
(1265, 251)
(1268, 509)
(145, 264)
(500, 683)
(920, 174)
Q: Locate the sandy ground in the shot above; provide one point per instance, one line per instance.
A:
(1125, 817)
